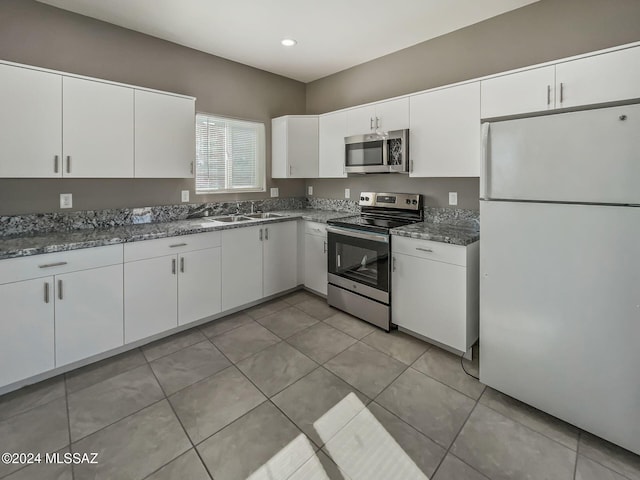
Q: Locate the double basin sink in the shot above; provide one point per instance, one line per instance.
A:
(245, 218)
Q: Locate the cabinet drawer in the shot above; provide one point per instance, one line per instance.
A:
(36, 266)
(167, 246)
(442, 252)
(315, 228)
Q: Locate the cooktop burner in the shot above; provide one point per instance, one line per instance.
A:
(382, 225)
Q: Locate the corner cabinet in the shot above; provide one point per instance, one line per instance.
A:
(164, 135)
(294, 146)
(444, 138)
(435, 291)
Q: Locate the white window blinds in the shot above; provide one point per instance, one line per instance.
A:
(230, 155)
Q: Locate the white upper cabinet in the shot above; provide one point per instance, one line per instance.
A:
(30, 123)
(332, 130)
(521, 92)
(164, 135)
(445, 132)
(294, 146)
(97, 129)
(602, 78)
(389, 115)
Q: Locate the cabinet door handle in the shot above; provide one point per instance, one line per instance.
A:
(191, 168)
(561, 92)
(548, 94)
(377, 122)
(182, 264)
(411, 167)
(60, 289)
(266, 234)
(173, 266)
(55, 164)
(290, 170)
(370, 123)
(68, 163)
(260, 234)
(393, 264)
(46, 292)
(338, 261)
(175, 245)
(49, 265)
(428, 250)
(317, 230)
(325, 247)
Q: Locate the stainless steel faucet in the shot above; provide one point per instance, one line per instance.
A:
(253, 204)
(237, 207)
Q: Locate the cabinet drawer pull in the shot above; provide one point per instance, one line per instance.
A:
(173, 266)
(182, 264)
(68, 163)
(175, 245)
(317, 230)
(46, 292)
(49, 265)
(60, 289)
(428, 250)
(55, 164)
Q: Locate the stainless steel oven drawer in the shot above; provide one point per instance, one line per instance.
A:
(369, 310)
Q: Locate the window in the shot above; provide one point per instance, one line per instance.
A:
(230, 155)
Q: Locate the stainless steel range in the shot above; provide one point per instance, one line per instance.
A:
(359, 252)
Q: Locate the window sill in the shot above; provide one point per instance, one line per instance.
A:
(235, 190)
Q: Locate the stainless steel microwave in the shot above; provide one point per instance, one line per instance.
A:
(377, 153)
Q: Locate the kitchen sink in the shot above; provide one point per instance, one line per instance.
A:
(231, 219)
(265, 215)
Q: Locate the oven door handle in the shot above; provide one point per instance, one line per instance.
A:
(358, 234)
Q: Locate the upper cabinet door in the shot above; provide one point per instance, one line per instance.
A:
(522, 92)
(445, 132)
(294, 146)
(30, 123)
(361, 120)
(97, 129)
(164, 135)
(602, 78)
(332, 130)
(392, 115)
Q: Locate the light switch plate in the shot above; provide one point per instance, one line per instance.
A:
(347, 193)
(185, 195)
(310, 190)
(66, 200)
(275, 192)
(453, 198)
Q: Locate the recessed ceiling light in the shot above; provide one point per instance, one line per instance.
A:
(288, 42)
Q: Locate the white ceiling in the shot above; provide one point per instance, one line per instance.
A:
(332, 35)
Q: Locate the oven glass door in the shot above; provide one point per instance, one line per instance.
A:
(364, 154)
(361, 260)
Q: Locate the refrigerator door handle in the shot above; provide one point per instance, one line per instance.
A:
(484, 173)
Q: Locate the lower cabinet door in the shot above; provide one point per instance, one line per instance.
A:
(199, 285)
(26, 329)
(241, 266)
(315, 263)
(280, 257)
(150, 297)
(429, 298)
(89, 313)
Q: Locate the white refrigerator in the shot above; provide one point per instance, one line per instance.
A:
(560, 267)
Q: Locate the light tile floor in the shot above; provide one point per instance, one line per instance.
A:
(293, 389)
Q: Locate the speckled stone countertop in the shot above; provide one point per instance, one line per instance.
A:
(25, 245)
(461, 233)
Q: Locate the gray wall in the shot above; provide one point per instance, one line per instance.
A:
(543, 31)
(37, 34)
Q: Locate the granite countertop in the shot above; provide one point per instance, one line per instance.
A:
(455, 233)
(25, 245)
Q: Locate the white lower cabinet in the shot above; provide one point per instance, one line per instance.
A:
(88, 313)
(26, 329)
(199, 285)
(150, 297)
(435, 291)
(258, 262)
(280, 270)
(315, 257)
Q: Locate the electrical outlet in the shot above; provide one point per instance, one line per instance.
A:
(310, 190)
(275, 192)
(66, 200)
(453, 198)
(185, 195)
(347, 193)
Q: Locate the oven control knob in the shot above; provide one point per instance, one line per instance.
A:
(415, 202)
(362, 198)
(408, 202)
(366, 198)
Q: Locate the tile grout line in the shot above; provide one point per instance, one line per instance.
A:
(66, 399)
(575, 466)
